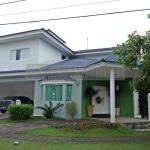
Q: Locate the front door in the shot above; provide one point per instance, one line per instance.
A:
(104, 106)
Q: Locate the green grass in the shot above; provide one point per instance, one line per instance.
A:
(8, 144)
(17, 121)
(99, 132)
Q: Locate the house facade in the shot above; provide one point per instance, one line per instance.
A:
(39, 65)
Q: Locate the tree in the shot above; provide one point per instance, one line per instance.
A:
(48, 111)
(137, 48)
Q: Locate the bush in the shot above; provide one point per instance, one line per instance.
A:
(71, 108)
(20, 112)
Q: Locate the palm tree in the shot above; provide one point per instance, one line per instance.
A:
(48, 111)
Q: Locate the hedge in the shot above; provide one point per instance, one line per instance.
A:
(20, 112)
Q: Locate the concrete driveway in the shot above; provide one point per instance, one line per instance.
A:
(4, 116)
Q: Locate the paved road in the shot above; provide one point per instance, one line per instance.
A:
(3, 116)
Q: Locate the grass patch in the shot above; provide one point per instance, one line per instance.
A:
(98, 132)
(31, 145)
(16, 121)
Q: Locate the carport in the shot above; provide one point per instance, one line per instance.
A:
(18, 88)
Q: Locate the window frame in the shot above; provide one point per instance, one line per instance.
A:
(18, 54)
(67, 91)
(54, 100)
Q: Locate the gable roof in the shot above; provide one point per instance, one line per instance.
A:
(37, 33)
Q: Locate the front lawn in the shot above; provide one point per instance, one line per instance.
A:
(98, 132)
(30, 145)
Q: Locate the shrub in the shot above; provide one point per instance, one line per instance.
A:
(71, 108)
(20, 112)
(48, 111)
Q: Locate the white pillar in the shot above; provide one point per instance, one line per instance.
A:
(136, 103)
(149, 106)
(112, 96)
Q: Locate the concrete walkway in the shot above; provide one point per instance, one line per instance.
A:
(9, 130)
(122, 120)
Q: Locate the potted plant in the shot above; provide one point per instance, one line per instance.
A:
(89, 93)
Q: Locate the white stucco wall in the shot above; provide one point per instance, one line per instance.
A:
(48, 54)
(5, 53)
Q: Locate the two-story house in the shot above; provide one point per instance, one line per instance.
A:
(39, 65)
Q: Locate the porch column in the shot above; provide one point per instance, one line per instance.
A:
(112, 96)
(136, 103)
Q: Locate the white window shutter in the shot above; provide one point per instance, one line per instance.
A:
(24, 54)
(13, 55)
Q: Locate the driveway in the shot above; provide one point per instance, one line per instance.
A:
(4, 116)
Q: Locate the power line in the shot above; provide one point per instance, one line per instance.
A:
(70, 6)
(74, 17)
(12, 2)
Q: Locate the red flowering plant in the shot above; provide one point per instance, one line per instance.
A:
(84, 126)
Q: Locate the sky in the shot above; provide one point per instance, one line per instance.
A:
(102, 31)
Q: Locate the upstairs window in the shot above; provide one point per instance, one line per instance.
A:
(63, 57)
(20, 54)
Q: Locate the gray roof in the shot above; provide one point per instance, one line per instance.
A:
(72, 64)
(111, 58)
(93, 50)
(114, 58)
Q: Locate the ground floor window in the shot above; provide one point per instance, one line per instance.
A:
(54, 93)
(68, 92)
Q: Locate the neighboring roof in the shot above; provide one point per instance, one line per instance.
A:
(67, 78)
(93, 50)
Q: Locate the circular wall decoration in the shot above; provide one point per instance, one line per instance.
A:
(98, 100)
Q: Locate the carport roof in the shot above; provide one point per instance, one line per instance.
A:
(72, 64)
